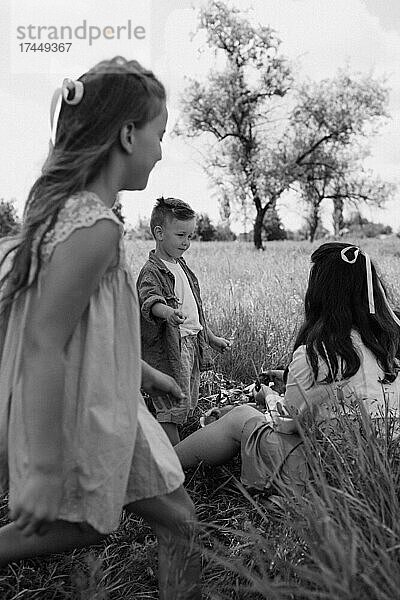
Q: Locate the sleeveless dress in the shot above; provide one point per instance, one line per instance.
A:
(115, 452)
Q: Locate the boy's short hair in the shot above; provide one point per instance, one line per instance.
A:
(170, 208)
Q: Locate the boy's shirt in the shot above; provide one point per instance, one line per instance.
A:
(186, 300)
(161, 342)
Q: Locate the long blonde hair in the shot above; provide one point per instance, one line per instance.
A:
(115, 91)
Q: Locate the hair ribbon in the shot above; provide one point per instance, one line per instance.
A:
(68, 85)
(370, 287)
(55, 113)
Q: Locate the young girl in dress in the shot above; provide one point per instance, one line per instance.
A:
(347, 349)
(76, 440)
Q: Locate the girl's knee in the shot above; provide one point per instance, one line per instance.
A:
(244, 412)
(241, 413)
(237, 417)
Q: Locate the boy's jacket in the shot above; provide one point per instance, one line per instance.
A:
(161, 342)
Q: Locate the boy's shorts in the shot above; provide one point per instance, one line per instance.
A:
(171, 411)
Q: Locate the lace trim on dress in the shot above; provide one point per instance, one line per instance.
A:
(81, 210)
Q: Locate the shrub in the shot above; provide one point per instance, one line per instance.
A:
(9, 221)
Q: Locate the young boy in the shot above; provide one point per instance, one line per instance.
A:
(175, 336)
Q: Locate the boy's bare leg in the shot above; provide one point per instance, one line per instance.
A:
(173, 519)
(61, 537)
(171, 429)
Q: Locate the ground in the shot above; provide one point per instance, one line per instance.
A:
(341, 542)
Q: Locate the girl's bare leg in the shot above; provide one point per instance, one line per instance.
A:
(217, 442)
(61, 537)
(173, 519)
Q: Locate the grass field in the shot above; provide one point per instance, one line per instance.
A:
(341, 542)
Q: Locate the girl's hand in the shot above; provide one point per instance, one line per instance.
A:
(220, 344)
(176, 317)
(154, 382)
(38, 503)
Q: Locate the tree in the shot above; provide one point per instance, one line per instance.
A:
(205, 230)
(142, 229)
(272, 226)
(314, 182)
(334, 180)
(356, 188)
(234, 106)
(362, 227)
(223, 233)
(9, 222)
(254, 159)
(329, 124)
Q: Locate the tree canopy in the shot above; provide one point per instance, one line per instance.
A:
(266, 134)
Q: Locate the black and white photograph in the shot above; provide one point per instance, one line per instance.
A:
(200, 300)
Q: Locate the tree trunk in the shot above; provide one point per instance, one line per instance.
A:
(258, 224)
(338, 220)
(313, 222)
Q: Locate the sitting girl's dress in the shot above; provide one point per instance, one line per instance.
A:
(114, 451)
(270, 456)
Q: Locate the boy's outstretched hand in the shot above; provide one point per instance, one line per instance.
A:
(154, 382)
(176, 317)
(220, 344)
(173, 316)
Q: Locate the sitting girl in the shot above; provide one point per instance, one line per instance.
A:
(347, 350)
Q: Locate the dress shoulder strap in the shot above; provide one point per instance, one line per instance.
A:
(80, 210)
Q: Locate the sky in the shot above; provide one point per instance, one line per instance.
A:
(318, 36)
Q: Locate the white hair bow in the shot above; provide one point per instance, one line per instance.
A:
(68, 85)
(370, 287)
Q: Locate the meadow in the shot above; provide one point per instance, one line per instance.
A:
(340, 542)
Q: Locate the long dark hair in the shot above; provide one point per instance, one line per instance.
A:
(115, 91)
(336, 303)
